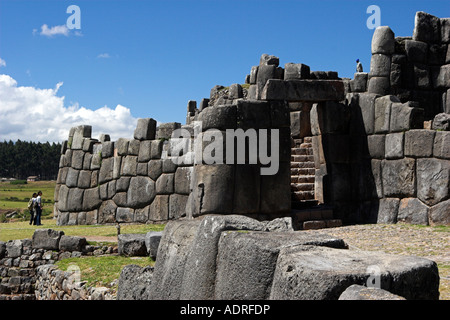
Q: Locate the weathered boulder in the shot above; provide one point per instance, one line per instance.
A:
(399, 177)
(311, 273)
(131, 244)
(14, 248)
(388, 210)
(380, 65)
(383, 40)
(173, 250)
(441, 122)
(439, 214)
(358, 292)
(426, 28)
(199, 274)
(152, 240)
(141, 192)
(412, 210)
(145, 129)
(419, 143)
(246, 261)
(72, 243)
(134, 283)
(433, 180)
(296, 71)
(47, 239)
(303, 90)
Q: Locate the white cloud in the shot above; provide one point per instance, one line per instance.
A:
(2, 63)
(32, 114)
(53, 31)
(104, 55)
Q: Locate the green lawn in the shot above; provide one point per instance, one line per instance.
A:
(22, 229)
(101, 271)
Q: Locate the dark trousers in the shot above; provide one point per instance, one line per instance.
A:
(38, 216)
(32, 216)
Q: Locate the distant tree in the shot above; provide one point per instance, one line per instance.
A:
(23, 159)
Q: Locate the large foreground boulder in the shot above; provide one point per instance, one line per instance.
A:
(319, 273)
(134, 283)
(358, 292)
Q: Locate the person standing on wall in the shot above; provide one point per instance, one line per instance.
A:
(359, 67)
(38, 208)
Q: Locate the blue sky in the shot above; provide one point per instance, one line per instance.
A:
(149, 57)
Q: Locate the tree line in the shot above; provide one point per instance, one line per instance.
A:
(22, 159)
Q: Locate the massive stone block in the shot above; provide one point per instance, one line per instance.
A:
(441, 147)
(159, 209)
(383, 112)
(177, 205)
(359, 292)
(72, 243)
(75, 199)
(47, 239)
(303, 90)
(416, 51)
(433, 180)
(134, 283)
(106, 170)
(419, 143)
(426, 28)
(276, 199)
(91, 199)
(132, 245)
(165, 184)
(218, 117)
(405, 117)
(141, 192)
(359, 82)
(200, 269)
(213, 189)
(296, 71)
(107, 212)
(388, 210)
(394, 145)
(257, 253)
(380, 65)
(379, 85)
(399, 177)
(383, 40)
(145, 129)
(173, 250)
(321, 273)
(183, 180)
(439, 214)
(412, 210)
(247, 189)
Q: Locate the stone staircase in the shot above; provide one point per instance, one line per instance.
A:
(306, 209)
(302, 174)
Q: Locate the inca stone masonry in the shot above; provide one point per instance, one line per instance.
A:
(375, 148)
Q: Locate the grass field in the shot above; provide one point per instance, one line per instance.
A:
(14, 197)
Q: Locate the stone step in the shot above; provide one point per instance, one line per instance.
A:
(302, 158)
(303, 172)
(302, 186)
(306, 145)
(321, 224)
(302, 179)
(314, 213)
(303, 205)
(307, 139)
(302, 195)
(303, 165)
(302, 151)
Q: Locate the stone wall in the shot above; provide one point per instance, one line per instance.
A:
(129, 180)
(362, 134)
(27, 269)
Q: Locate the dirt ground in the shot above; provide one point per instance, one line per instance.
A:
(427, 242)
